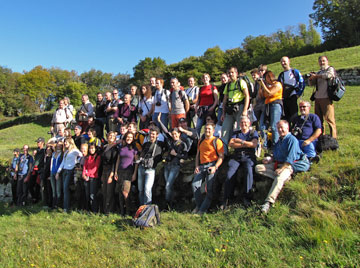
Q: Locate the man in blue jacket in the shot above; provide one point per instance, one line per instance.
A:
(288, 158)
(293, 87)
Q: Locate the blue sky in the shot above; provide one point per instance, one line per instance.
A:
(113, 36)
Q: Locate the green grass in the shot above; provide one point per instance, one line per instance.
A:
(315, 222)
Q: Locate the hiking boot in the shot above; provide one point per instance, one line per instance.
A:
(195, 210)
(246, 202)
(265, 207)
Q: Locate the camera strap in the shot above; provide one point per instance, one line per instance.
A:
(306, 118)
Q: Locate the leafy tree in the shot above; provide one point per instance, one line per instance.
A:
(74, 90)
(147, 68)
(214, 62)
(339, 21)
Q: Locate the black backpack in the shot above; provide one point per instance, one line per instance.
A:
(325, 143)
(336, 88)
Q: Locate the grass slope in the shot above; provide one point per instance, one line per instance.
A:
(315, 222)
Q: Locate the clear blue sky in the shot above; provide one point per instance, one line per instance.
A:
(113, 36)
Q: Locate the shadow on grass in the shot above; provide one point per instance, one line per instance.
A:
(43, 120)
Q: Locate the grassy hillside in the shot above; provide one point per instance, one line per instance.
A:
(315, 222)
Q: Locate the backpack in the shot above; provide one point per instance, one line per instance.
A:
(250, 86)
(147, 216)
(336, 88)
(325, 143)
(215, 145)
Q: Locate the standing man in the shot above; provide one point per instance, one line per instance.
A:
(236, 103)
(61, 118)
(134, 96)
(324, 107)
(179, 103)
(100, 109)
(193, 94)
(209, 158)
(153, 85)
(85, 110)
(287, 159)
(293, 87)
(24, 171)
(307, 128)
(111, 112)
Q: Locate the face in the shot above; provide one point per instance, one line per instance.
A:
(66, 144)
(129, 138)
(209, 119)
(233, 74)
(261, 73)
(61, 104)
(91, 121)
(99, 97)
(16, 154)
(174, 83)
(59, 147)
(255, 76)
(84, 99)
(206, 79)
(175, 135)
(143, 90)
(224, 78)
(127, 98)
(183, 124)
(61, 132)
(285, 63)
(133, 90)
(92, 150)
(153, 136)
(48, 151)
(115, 94)
(111, 138)
(131, 128)
(158, 84)
(108, 96)
(191, 82)
(123, 130)
(323, 63)
(209, 131)
(304, 108)
(40, 144)
(77, 131)
(283, 129)
(152, 81)
(84, 150)
(244, 125)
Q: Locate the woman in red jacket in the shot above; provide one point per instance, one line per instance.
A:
(91, 177)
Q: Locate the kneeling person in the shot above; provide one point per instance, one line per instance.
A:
(244, 142)
(288, 158)
(209, 158)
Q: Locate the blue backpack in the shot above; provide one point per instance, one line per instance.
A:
(147, 216)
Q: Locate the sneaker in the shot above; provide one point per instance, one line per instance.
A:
(265, 207)
(195, 210)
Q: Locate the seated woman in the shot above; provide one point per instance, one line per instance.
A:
(177, 151)
(126, 170)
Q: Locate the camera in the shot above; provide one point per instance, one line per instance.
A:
(297, 131)
(158, 103)
(147, 162)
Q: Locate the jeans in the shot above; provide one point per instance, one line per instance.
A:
(275, 115)
(56, 186)
(199, 124)
(262, 127)
(228, 124)
(220, 112)
(164, 119)
(170, 173)
(146, 178)
(21, 197)
(203, 204)
(309, 150)
(91, 189)
(234, 165)
(68, 175)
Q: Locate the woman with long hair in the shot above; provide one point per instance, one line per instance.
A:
(108, 162)
(126, 170)
(67, 166)
(90, 175)
(207, 101)
(272, 90)
(145, 106)
(56, 182)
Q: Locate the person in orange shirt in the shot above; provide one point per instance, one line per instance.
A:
(209, 158)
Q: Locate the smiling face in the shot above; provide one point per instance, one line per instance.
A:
(153, 136)
(175, 134)
(152, 81)
(174, 83)
(92, 149)
(323, 63)
(129, 138)
(224, 78)
(209, 131)
(285, 63)
(111, 137)
(233, 74)
(191, 82)
(244, 125)
(84, 149)
(99, 97)
(283, 128)
(127, 98)
(304, 108)
(133, 90)
(206, 79)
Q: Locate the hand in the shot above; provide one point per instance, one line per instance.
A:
(120, 120)
(27, 178)
(142, 118)
(172, 152)
(52, 129)
(212, 170)
(116, 176)
(86, 178)
(244, 113)
(278, 171)
(57, 176)
(133, 178)
(109, 180)
(222, 117)
(180, 129)
(211, 109)
(197, 170)
(305, 143)
(14, 177)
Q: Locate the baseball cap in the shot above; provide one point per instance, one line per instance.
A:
(40, 139)
(182, 119)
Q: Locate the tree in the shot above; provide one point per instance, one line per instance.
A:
(147, 68)
(339, 21)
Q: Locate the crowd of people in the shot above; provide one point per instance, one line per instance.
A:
(118, 142)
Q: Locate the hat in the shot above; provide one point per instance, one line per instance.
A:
(40, 139)
(78, 127)
(182, 119)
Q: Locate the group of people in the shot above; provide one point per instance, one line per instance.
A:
(153, 124)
